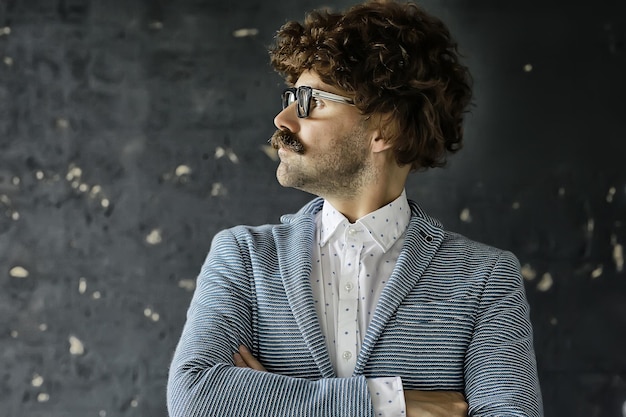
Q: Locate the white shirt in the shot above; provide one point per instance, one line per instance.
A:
(351, 264)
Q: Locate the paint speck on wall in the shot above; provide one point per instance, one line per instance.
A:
(187, 284)
(154, 237)
(528, 272)
(43, 397)
(8, 61)
(134, 403)
(15, 181)
(37, 380)
(105, 202)
(591, 225)
(561, 192)
(596, 273)
(465, 216)
(546, 282)
(182, 170)
(39, 175)
(76, 346)
(19, 272)
(5, 31)
(82, 285)
(218, 189)
(222, 152)
(528, 68)
(515, 205)
(618, 257)
(610, 195)
(73, 173)
(15, 216)
(96, 295)
(244, 32)
(63, 123)
(43, 327)
(156, 25)
(270, 152)
(554, 321)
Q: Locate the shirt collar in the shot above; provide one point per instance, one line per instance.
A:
(384, 225)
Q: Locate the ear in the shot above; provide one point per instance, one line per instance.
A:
(378, 142)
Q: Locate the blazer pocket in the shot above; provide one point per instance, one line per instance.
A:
(452, 310)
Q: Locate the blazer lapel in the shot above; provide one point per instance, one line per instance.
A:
(294, 241)
(422, 240)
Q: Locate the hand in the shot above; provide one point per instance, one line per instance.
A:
(244, 359)
(435, 404)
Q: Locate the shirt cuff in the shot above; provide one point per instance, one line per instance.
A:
(387, 396)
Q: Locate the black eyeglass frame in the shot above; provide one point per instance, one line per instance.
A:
(302, 96)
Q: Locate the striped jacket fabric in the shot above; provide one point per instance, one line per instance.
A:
(452, 316)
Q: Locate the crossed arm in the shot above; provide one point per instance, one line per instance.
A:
(418, 403)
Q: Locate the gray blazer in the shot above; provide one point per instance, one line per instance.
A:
(453, 316)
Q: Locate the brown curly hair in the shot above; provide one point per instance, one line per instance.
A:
(394, 59)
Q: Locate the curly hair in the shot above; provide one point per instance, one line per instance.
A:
(394, 59)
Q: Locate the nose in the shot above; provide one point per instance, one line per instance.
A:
(287, 119)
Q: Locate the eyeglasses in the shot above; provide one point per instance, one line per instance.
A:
(303, 94)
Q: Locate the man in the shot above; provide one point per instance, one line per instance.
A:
(360, 304)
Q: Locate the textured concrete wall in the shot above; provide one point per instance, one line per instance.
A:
(132, 130)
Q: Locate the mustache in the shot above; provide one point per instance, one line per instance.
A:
(286, 139)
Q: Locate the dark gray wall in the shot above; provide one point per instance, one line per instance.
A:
(131, 131)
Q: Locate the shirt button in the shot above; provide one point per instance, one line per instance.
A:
(351, 231)
(346, 355)
(348, 286)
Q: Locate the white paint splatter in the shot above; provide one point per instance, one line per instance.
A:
(618, 257)
(5, 31)
(76, 346)
(43, 397)
(105, 202)
(83, 188)
(82, 285)
(610, 194)
(156, 25)
(270, 152)
(95, 190)
(147, 312)
(96, 295)
(187, 284)
(15, 181)
(562, 192)
(515, 205)
(597, 272)
(528, 272)
(37, 380)
(39, 175)
(8, 61)
(554, 321)
(18, 272)
(591, 225)
(546, 282)
(4, 199)
(242, 33)
(182, 170)
(134, 403)
(528, 68)
(63, 123)
(155, 316)
(218, 189)
(465, 215)
(73, 173)
(221, 152)
(43, 327)
(15, 216)
(154, 237)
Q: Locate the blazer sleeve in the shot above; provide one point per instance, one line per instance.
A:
(203, 380)
(500, 365)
